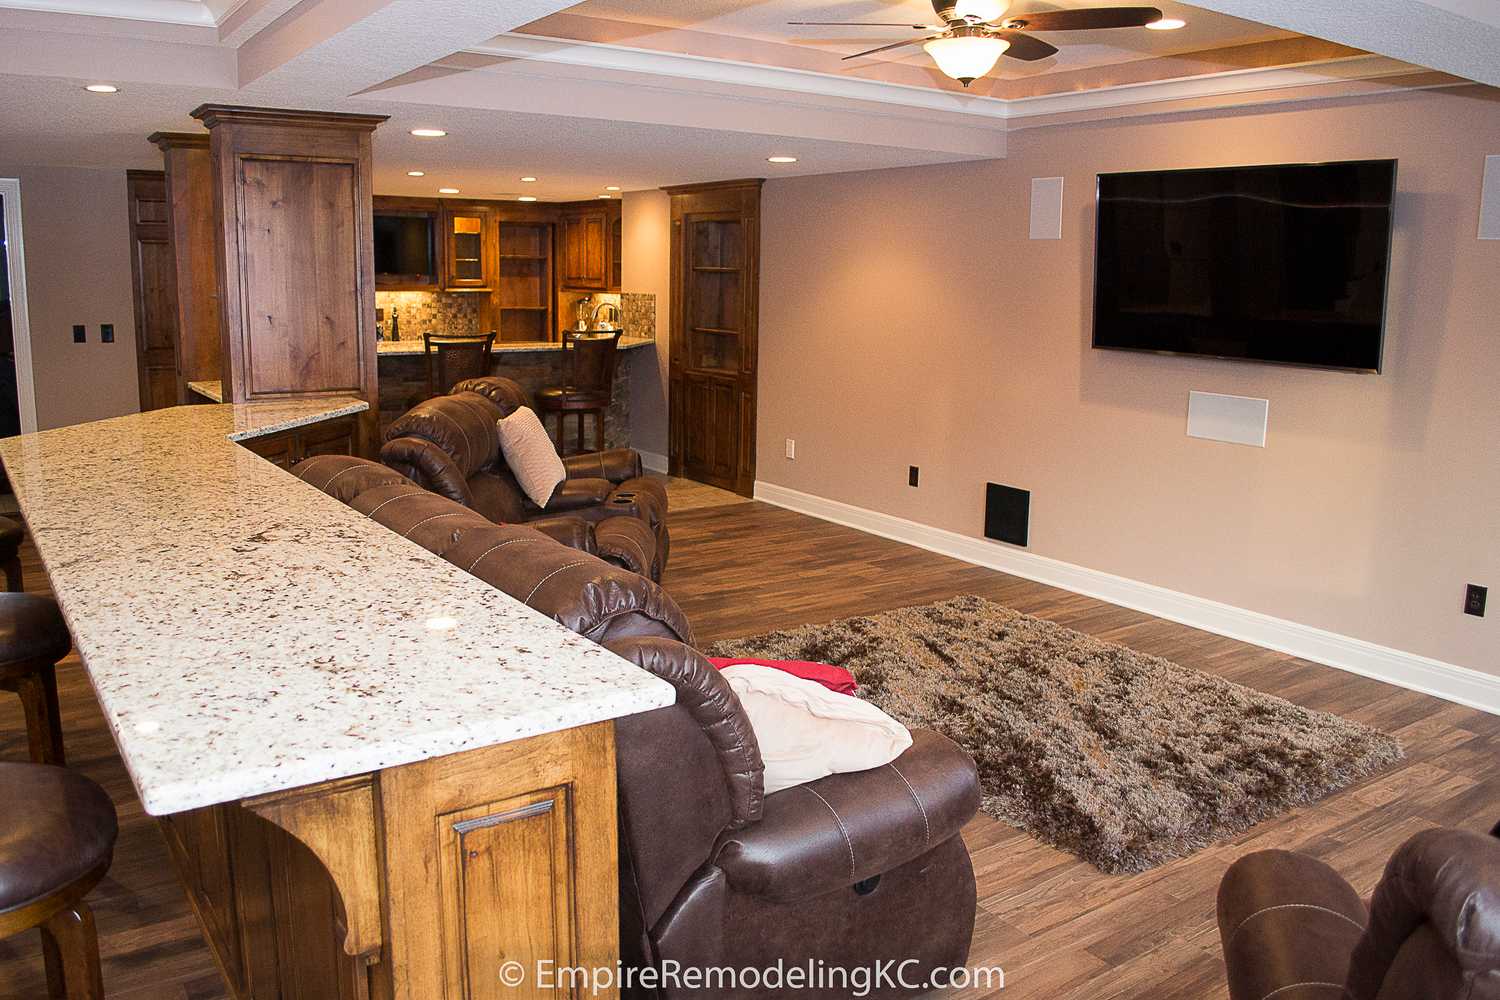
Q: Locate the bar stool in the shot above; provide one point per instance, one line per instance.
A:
(33, 637)
(55, 845)
(11, 534)
(588, 385)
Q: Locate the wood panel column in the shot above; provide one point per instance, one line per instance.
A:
(295, 251)
(191, 232)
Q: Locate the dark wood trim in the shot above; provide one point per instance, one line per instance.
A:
(705, 187)
(178, 140)
(212, 115)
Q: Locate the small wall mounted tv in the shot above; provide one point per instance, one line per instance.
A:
(404, 246)
(1280, 264)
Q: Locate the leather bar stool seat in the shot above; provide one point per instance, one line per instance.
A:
(56, 843)
(33, 637)
(11, 534)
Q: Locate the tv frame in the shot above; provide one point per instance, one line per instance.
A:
(1385, 304)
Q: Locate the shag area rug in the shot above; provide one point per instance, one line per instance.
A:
(1127, 760)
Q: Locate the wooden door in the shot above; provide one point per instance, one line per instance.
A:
(715, 292)
(153, 271)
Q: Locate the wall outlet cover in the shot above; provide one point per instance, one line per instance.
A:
(791, 448)
(1475, 597)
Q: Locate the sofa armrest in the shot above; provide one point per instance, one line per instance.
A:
(846, 828)
(628, 542)
(575, 495)
(574, 532)
(428, 465)
(1287, 920)
(616, 465)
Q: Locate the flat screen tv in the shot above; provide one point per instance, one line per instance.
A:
(404, 245)
(1281, 264)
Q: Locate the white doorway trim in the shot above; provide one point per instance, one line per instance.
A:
(20, 319)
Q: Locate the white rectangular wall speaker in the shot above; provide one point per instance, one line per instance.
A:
(1046, 208)
(1489, 200)
(1236, 419)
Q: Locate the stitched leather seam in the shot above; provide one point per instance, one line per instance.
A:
(1294, 986)
(387, 500)
(451, 513)
(548, 577)
(842, 829)
(1289, 906)
(340, 473)
(926, 826)
(501, 545)
(336, 474)
(467, 443)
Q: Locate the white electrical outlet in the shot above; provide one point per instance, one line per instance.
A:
(791, 448)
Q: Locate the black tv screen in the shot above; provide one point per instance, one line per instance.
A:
(403, 245)
(1283, 264)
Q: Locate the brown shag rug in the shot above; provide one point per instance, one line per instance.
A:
(1127, 760)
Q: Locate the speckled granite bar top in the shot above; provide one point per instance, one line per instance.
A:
(414, 345)
(213, 390)
(246, 633)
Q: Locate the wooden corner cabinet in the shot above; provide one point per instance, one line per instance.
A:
(714, 332)
(468, 248)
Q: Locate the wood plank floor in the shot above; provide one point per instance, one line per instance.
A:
(1060, 929)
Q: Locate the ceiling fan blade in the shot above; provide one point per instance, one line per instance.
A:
(1086, 19)
(1027, 48)
(887, 48)
(866, 24)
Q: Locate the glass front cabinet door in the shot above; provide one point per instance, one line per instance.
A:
(467, 241)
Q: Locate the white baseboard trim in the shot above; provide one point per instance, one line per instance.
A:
(652, 460)
(1408, 670)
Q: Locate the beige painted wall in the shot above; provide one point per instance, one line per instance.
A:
(907, 319)
(77, 243)
(647, 269)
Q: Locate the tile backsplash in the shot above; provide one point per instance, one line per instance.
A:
(440, 312)
(638, 311)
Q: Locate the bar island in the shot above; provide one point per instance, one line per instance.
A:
(378, 775)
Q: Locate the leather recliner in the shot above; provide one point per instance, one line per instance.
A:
(849, 871)
(1292, 928)
(451, 446)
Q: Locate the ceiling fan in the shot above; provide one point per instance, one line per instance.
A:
(974, 34)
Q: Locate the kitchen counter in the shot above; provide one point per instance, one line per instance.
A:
(415, 345)
(213, 390)
(246, 633)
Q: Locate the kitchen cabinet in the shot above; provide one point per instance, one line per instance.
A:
(524, 294)
(329, 437)
(585, 241)
(468, 239)
(155, 285)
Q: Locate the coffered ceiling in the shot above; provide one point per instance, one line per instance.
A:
(640, 93)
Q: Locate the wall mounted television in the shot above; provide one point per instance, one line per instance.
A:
(1281, 264)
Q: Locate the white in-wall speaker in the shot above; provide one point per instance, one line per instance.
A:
(1235, 419)
(1489, 200)
(1046, 208)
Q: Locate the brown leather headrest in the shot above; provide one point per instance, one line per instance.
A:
(505, 393)
(462, 425)
(344, 477)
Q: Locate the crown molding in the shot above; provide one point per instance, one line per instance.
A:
(189, 12)
(689, 69)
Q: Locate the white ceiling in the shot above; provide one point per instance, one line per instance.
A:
(579, 115)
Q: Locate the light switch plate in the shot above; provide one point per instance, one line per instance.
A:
(1235, 419)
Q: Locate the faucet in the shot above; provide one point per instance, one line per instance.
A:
(615, 311)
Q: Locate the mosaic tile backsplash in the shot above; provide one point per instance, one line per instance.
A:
(440, 312)
(638, 311)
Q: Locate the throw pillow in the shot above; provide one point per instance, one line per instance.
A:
(530, 454)
(807, 732)
(833, 678)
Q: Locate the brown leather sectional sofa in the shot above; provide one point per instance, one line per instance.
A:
(450, 445)
(849, 871)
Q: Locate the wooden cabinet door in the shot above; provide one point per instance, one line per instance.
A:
(278, 449)
(584, 237)
(467, 255)
(154, 274)
(715, 284)
(331, 437)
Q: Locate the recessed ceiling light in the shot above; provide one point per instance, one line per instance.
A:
(416, 173)
(447, 190)
(528, 180)
(781, 159)
(102, 88)
(428, 133)
(527, 197)
(604, 196)
(613, 187)
(1167, 24)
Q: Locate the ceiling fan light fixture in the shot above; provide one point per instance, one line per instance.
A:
(979, 11)
(966, 57)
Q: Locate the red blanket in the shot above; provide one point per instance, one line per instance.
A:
(833, 678)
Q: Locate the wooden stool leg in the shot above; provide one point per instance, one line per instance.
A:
(70, 947)
(38, 691)
(13, 582)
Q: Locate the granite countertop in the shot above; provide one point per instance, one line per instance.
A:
(414, 345)
(246, 633)
(208, 390)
